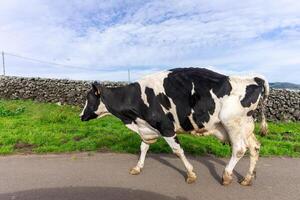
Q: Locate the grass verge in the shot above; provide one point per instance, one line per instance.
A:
(27, 126)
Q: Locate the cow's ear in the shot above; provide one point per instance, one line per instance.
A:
(96, 88)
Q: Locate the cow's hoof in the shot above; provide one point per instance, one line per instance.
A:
(247, 181)
(135, 170)
(226, 178)
(191, 177)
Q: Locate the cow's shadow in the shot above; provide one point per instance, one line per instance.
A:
(160, 158)
(209, 161)
(91, 193)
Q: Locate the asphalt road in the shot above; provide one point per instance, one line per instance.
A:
(105, 176)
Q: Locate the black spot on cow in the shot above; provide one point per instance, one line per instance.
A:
(125, 102)
(164, 101)
(178, 86)
(252, 92)
(259, 81)
(155, 115)
(170, 116)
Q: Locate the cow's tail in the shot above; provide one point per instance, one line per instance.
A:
(265, 93)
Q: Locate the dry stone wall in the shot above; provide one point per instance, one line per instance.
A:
(47, 90)
(281, 105)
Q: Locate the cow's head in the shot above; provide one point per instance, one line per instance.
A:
(94, 107)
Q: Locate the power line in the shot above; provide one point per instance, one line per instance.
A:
(45, 62)
(54, 63)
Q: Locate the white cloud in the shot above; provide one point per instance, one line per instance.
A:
(258, 36)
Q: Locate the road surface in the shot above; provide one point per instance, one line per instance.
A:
(105, 176)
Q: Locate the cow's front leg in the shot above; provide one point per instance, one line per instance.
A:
(176, 148)
(137, 169)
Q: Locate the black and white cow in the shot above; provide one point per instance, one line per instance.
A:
(194, 100)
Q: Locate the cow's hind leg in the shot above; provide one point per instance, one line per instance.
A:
(254, 147)
(138, 168)
(238, 151)
(237, 129)
(176, 148)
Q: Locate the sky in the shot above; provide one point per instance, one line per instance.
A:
(101, 40)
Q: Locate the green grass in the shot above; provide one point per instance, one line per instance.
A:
(27, 126)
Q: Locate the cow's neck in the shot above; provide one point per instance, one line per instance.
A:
(113, 97)
(123, 102)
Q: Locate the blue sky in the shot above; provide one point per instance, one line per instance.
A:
(105, 38)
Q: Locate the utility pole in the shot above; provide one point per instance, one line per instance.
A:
(128, 76)
(3, 63)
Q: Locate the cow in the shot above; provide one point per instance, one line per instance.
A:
(194, 101)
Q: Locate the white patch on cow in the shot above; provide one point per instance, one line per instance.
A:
(164, 109)
(133, 127)
(213, 118)
(214, 126)
(195, 126)
(102, 110)
(173, 110)
(144, 129)
(86, 103)
(193, 88)
(231, 107)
